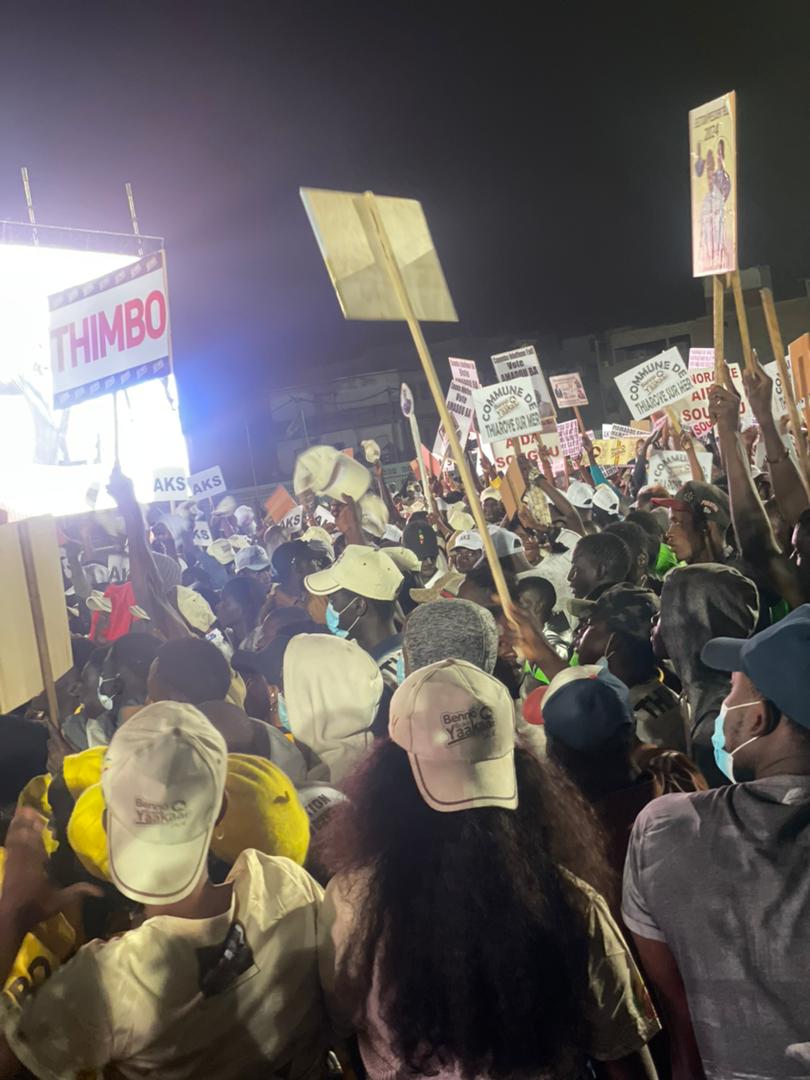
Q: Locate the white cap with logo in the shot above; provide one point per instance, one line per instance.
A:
(457, 724)
(606, 499)
(163, 783)
(360, 570)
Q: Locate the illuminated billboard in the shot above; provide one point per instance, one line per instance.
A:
(51, 458)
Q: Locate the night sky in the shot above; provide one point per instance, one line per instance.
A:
(547, 142)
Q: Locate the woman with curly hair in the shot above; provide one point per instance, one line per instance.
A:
(463, 934)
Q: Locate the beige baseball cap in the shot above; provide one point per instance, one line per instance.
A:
(457, 725)
(163, 781)
(361, 570)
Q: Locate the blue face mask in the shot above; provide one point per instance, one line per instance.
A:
(722, 758)
(333, 621)
(400, 669)
(282, 713)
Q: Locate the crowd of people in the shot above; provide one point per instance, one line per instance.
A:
(326, 802)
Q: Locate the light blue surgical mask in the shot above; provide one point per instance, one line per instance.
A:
(281, 707)
(333, 621)
(722, 758)
(400, 669)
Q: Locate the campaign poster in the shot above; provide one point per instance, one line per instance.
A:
(507, 410)
(568, 390)
(713, 174)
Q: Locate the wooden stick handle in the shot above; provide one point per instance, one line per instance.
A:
(398, 284)
(742, 321)
(675, 423)
(38, 617)
(580, 421)
(718, 315)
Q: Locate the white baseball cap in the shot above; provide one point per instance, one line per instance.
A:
(568, 538)
(222, 551)
(253, 558)
(457, 724)
(319, 536)
(405, 559)
(392, 533)
(195, 609)
(361, 570)
(606, 499)
(470, 540)
(580, 495)
(506, 543)
(163, 782)
(491, 493)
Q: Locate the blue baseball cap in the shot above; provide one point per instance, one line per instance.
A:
(775, 660)
(587, 708)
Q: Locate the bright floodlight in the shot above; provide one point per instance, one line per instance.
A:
(50, 458)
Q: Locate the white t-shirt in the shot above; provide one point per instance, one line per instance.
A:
(135, 1002)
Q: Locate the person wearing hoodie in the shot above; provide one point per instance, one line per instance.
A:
(332, 689)
(699, 603)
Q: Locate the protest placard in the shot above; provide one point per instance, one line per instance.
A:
(671, 468)
(615, 451)
(703, 374)
(507, 409)
(570, 438)
(323, 517)
(501, 452)
(169, 484)
(350, 244)
(658, 383)
(34, 635)
(117, 568)
(460, 407)
(279, 503)
(110, 333)
(519, 363)
(799, 351)
(568, 390)
(779, 405)
(293, 520)
(713, 170)
(202, 535)
(464, 372)
(207, 484)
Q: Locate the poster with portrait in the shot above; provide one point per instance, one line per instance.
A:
(713, 178)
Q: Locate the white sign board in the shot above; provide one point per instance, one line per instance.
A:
(460, 407)
(568, 390)
(507, 409)
(323, 517)
(110, 333)
(671, 469)
(464, 372)
(208, 484)
(656, 384)
(519, 363)
(702, 373)
(169, 484)
(202, 535)
(778, 399)
(502, 454)
(293, 520)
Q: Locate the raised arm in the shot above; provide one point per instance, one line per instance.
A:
(755, 537)
(789, 485)
(143, 572)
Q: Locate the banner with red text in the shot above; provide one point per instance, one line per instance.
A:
(110, 333)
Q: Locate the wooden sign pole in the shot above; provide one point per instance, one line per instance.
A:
(718, 314)
(742, 321)
(420, 344)
(777, 345)
(580, 421)
(40, 634)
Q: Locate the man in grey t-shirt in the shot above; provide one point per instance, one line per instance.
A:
(717, 884)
